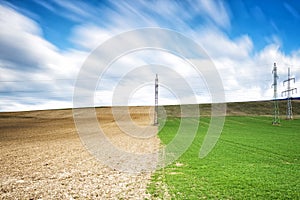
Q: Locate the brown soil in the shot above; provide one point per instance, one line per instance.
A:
(42, 157)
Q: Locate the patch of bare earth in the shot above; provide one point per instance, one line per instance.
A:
(42, 157)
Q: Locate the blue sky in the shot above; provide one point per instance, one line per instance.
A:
(43, 45)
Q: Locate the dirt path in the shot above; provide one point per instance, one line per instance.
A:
(41, 157)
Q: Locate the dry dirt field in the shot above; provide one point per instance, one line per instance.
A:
(42, 157)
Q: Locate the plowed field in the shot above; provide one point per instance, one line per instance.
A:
(41, 156)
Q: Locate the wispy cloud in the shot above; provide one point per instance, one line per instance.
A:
(45, 75)
(217, 12)
(292, 10)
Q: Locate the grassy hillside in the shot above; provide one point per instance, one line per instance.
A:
(261, 108)
(252, 160)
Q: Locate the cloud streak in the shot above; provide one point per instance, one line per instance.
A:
(45, 75)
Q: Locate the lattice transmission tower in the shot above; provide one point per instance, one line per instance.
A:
(156, 102)
(287, 92)
(276, 118)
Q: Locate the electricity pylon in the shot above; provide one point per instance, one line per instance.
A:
(156, 102)
(276, 119)
(289, 109)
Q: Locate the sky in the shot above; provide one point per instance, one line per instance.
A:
(45, 44)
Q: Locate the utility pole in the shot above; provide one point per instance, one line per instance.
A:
(156, 102)
(276, 119)
(289, 110)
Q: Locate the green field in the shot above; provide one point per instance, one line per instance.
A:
(252, 160)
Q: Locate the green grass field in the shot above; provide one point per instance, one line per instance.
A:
(252, 160)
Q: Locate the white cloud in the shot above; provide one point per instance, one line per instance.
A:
(18, 36)
(90, 36)
(26, 55)
(217, 44)
(31, 66)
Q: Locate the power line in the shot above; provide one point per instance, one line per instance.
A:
(19, 92)
(54, 80)
(257, 68)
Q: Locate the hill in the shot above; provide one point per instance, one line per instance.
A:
(42, 154)
(253, 108)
